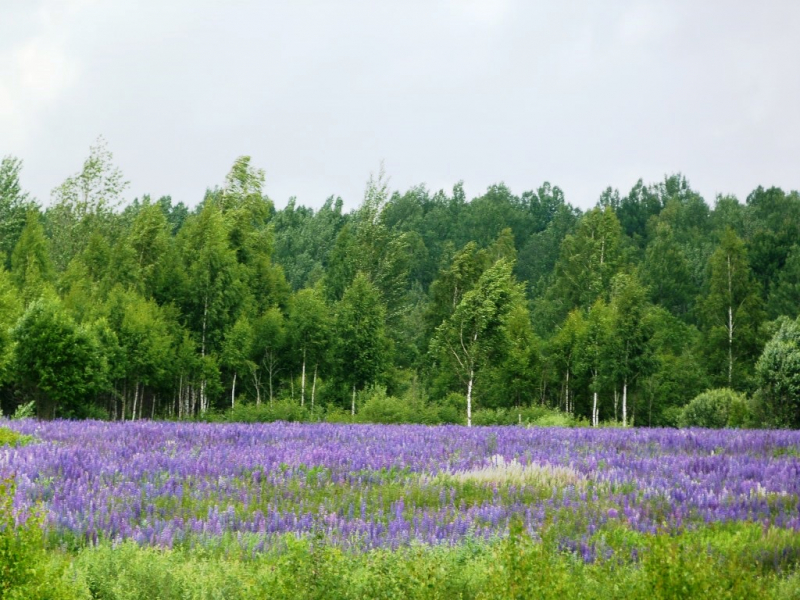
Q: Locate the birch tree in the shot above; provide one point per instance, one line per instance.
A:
(732, 311)
(309, 332)
(85, 202)
(362, 345)
(464, 341)
(628, 306)
(212, 289)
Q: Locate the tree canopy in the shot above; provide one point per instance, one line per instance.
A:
(126, 308)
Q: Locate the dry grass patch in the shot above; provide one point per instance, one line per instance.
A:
(502, 472)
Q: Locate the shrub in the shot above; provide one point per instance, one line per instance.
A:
(717, 409)
(280, 410)
(378, 407)
(9, 437)
(25, 411)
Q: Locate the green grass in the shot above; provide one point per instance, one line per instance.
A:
(731, 562)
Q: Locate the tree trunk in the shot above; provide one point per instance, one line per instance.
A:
(615, 403)
(313, 387)
(303, 381)
(135, 400)
(203, 355)
(353, 402)
(566, 393)
(233, 389)
(594, 411)
(730, 322)
(469, 397)
(625, 403)
(270, 383)
(730, 345)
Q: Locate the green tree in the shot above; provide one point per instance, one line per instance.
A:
(236, 351)
(458, 278)
(150, 241)
(309, 332)
(588, 259)
(667, 273)
(362, 346)
(784, 296)
(14, 206)
(732, 310)
(465, 340)
(565, 351)
(269, 350)
(57, 362)
(521, 367)
(212, 286)
(146, 344)
(599, 351)
(630, 335)
(30, 262)
(85, 203)
(10, 307)
(778, 374)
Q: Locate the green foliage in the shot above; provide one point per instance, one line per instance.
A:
(57, 361)
(717, 409)
(25, 411)
(536, 416)
(27, 571)
(14, 206)
(715, 563)
(778, 373)
(279, 410)
(9, 437)
(644, 301)
(362, 345)
(732, 309)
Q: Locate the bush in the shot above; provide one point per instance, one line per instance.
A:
(716, 409)
(25, 411)
(377, 407)
(9, 437)
(280, 410)
(536, 416)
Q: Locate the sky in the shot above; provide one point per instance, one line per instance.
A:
(584, 95)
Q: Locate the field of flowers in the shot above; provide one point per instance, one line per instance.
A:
(363, 487)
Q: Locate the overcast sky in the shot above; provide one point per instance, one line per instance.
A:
(581, 94)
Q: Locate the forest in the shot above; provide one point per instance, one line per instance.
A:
(416, 305)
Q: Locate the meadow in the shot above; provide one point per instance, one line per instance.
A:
(331, 510)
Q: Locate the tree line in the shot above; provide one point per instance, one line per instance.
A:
(624, 312)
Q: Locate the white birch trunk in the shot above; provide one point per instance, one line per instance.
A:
(625, 403)
(353, 402)
(313, 387)
(135, 400)
(730, 345)
(203, 355)
(233, 390)
(303, 381)
(469, 397)
(594, 411)
(730, 322)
